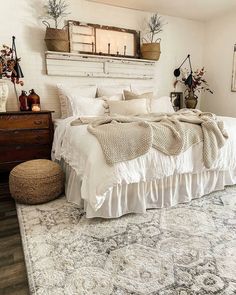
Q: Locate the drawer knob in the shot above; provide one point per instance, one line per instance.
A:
(38, 122)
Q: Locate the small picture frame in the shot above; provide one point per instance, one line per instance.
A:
(177, 100)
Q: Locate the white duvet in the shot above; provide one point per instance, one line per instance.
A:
(82, 151)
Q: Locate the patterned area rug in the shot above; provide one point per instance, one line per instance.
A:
(185, 250)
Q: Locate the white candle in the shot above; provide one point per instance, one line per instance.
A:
(35, 108)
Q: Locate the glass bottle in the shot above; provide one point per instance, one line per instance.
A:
(33, 99)
(23, 98)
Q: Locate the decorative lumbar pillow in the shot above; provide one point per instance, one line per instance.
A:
(161, 105)
(85, 106)
(139, 89)
(113, 90)
(131, 95)
(128, 108)
(65, 92)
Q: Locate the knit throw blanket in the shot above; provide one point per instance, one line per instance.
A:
(126, 138)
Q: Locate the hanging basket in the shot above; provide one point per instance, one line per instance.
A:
(57, 39)
(151, 51)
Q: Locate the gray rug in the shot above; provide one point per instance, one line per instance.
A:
(185, 250)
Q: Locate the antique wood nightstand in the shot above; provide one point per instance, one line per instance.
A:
(24, 136)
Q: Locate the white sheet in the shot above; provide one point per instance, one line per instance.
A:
(81, 150)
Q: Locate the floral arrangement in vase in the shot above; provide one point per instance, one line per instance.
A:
(9, 70)
(195, 83)
(8, 65)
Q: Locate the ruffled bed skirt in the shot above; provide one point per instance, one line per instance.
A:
(159, 193)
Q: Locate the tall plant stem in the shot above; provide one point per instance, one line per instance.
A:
(16, 94)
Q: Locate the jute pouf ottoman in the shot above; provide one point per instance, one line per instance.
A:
(36, 182)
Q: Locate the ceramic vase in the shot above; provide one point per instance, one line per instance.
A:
(3, 95)
(191, 100)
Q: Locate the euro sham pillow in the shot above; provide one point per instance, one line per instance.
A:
(132, 95)
(84, 106)
(161, 105)
(65, 92)
(128, 108)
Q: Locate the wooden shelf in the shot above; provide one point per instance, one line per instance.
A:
(88, 65)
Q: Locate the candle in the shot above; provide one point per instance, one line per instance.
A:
(109, 48)
(35, 107)
(124, 49)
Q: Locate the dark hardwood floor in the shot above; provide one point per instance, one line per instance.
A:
(13, 278)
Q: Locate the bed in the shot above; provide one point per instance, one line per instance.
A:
(153, 180)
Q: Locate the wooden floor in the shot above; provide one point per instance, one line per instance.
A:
(13, 280)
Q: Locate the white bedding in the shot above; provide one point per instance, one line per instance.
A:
(81, 150)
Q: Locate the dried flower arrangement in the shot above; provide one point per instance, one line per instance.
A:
(55, 10)
(198, 81)
(8, 65)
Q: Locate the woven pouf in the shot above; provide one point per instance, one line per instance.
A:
(36, 182)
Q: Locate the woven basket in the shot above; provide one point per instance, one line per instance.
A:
(36, 182)
(57, 40)
(151, 51)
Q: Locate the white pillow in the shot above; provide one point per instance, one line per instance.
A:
(65, 92)
(161, 105)
(112, 90)
(84, 106)
(128, 107)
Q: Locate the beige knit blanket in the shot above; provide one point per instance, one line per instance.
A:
(125, 138)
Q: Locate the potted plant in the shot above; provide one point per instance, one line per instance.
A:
(195, 85)
(56, 39)
(150, 49)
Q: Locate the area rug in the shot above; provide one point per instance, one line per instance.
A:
(188, 249)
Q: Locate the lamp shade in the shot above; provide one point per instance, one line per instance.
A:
(177, 72)
(189, 80)
(18, 70)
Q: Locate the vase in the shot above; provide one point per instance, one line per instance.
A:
(191, 100)
(3, 96)
(33, 98)
(23, 98)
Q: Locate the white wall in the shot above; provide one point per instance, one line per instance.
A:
(21, 18)
(219, 42)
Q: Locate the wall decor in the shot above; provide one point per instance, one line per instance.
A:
(177, 100)
(103, 40)
(233, 85)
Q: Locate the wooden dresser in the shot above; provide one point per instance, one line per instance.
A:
(24, 136)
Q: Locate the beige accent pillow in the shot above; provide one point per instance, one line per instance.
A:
(131, 95)
(112, 90)
(128, 108)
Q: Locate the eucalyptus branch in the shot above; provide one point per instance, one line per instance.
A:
(56, 10)
(154, 25)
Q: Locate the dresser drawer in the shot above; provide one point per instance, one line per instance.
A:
(31, 121)
(26, 137)
(24, 152)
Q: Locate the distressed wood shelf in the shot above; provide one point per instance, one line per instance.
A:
(86, 65)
